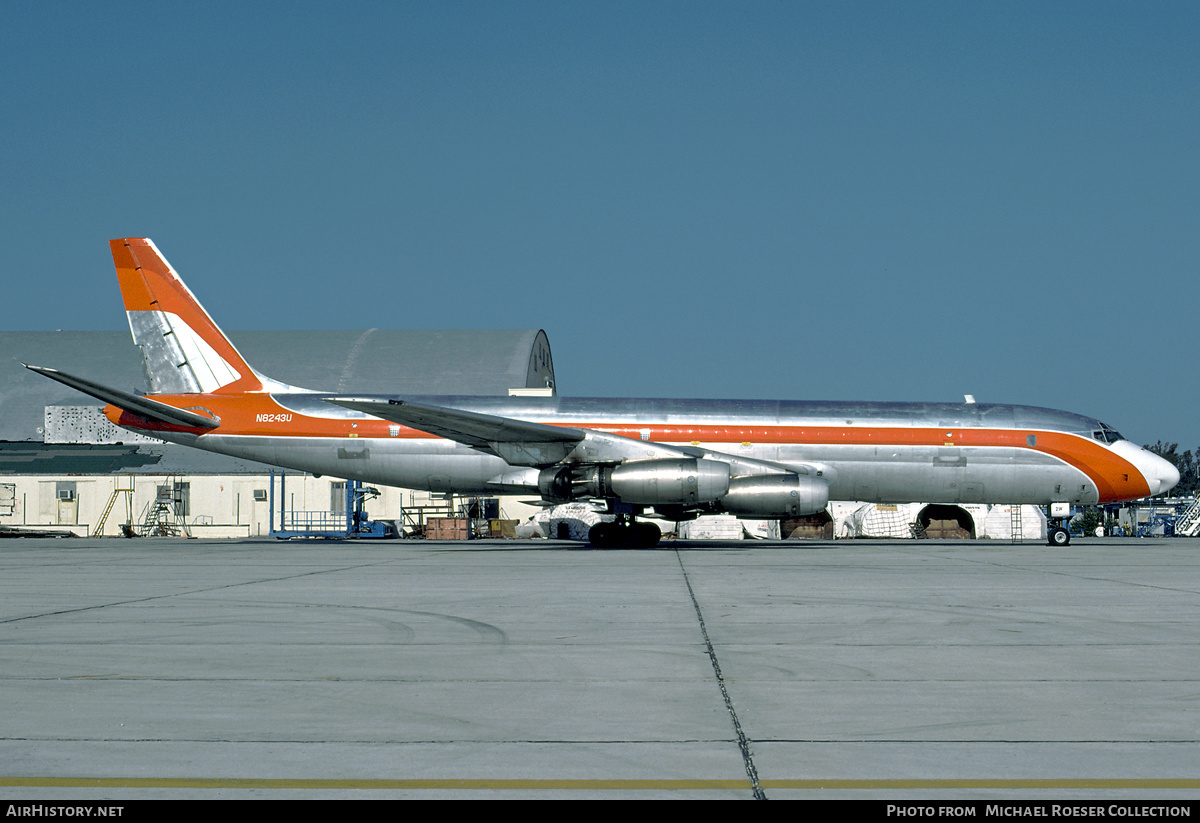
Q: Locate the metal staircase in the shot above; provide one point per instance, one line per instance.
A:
(1188, 523)
(162, 517)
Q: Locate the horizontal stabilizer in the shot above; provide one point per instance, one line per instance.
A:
(133, 403)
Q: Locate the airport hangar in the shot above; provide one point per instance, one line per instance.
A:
(65, 467)
(62, 462)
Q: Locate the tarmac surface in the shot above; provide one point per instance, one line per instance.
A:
(152, 668)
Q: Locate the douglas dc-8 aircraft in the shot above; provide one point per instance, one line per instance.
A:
(677, 458)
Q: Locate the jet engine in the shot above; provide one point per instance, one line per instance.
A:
(776, 495)
(687, 484)
(684, 481)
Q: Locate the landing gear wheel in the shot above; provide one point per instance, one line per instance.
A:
(601, 535)
(1059, 536)
(644, 535)
(621, 535)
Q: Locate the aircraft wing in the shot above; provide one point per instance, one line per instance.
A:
(133, 403)
(524, 443)
(529, 444)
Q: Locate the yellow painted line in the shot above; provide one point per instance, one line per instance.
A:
(586, 785)
(287, 783)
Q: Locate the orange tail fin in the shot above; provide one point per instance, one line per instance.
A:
(183, 349)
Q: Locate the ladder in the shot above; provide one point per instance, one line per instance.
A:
(112, 500)
(1188, 524)
(1016, 527)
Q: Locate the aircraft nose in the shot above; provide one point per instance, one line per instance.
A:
(1160, 474)
(1167, 475)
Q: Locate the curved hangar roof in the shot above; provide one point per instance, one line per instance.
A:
(378, 361)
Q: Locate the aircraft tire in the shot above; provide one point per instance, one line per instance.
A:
(1059, 536)
(620, 536)
(603, 535)
(645, 536)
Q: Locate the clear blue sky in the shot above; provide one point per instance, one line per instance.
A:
(836, 200)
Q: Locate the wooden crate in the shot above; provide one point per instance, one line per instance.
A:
(447, 528)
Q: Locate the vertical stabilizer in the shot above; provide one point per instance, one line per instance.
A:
(183, 349)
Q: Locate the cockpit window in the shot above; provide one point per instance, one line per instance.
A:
(1106, 434)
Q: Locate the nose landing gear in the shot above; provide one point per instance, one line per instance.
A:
(1058, 536)
(1058, 515)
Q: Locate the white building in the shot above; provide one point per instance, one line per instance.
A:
(65, 468)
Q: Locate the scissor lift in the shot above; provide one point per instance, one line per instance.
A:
(350, 523)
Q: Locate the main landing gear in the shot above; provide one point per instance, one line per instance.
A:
(624, 533)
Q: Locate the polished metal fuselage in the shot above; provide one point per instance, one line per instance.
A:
(880, 452)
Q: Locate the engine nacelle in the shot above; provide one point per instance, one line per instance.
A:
(683, 482)
(686, 481)
(776, 495)
(555, 484)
